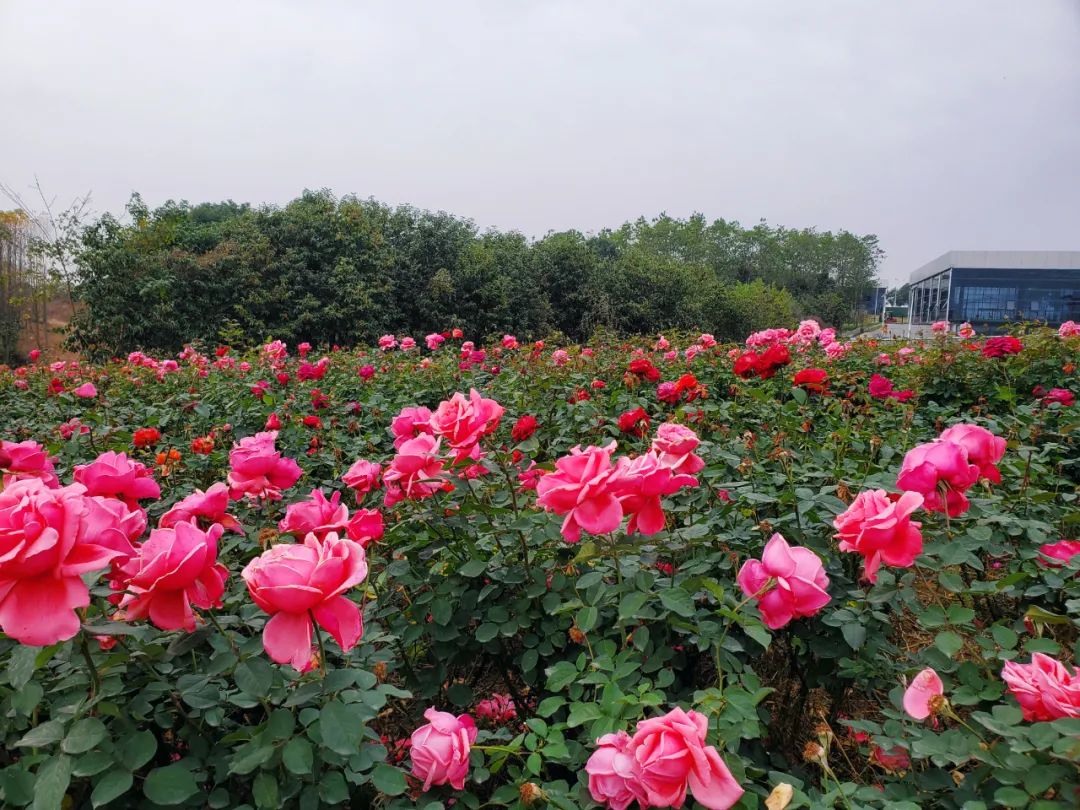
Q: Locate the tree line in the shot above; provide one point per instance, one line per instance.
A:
(346, 270)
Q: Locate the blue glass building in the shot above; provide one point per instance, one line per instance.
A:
(991, 289)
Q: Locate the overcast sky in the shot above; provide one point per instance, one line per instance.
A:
(936, 125)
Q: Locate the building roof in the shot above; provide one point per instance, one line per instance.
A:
(1000, 260)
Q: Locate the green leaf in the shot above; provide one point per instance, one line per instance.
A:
(760, 634)
(1005, 637)
(45, 734)
(265, 791)
(486, 632)
(586, 618)
(112, 785)
(172, 784)
(854, 634)
(340, 728)
(949, 642)
(297, 756)
(253, 677)
(548, 706)
(332, 789)
(53, 778)
(581, 713)
(958, 614)
(951, 582)
(473, 568)
(388, 780)
(92, 764)
(460, 694)
(17, 784)
(560, 675)
(84, 735)
(21, 664)
(135, 750)
(678, 601)
(632, 604)
(1011, 797)
(442, 610)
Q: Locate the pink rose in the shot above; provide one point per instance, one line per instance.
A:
(671, 756)
(440, 749)
(316, 515)
(258, 470)
(799, 582)
(463, 422)
(362, 477)
(387, 342)
(676, 444)
(923, 688)
(203, 509)
(1069, 329)
(416, 472)
(1060, 396)
(584, 487)
(434, 340)
(642, 484)
(984, 449)
(498, 709)
(560, 357)
(172, 570)
(114, 475)
(879, 527)
(1044, 688)
(294, 582)
(365, 526)
(614, 776)
(47, 543)
(930, 468)
(1063, 550)
(410, 423)
(86, 391)
(27, 460)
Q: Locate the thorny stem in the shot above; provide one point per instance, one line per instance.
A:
(840, 789)
(769, 583)
(517, 515)
(95, 677)
(322, 647)
(232, 643)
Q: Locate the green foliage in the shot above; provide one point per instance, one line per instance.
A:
(475, 592)
(345, 271)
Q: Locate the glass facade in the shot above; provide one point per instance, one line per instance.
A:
(989, 298)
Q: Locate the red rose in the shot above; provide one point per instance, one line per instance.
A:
(1001, 346)
(644, 369)
(746, 364)
(635, 422)
(776, 356)
(523, 428)
(814, 380)
(146, 437)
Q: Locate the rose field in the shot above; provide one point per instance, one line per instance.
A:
(655, 572)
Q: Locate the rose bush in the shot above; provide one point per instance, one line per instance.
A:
(655, 572)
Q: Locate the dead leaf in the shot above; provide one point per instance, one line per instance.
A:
(780, 797)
